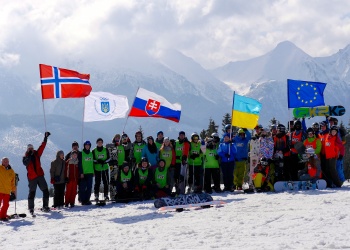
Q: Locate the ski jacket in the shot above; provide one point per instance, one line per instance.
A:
(322, 136)
(161, 177)
(281, 143)
(7, 180)
(211, 158)
(72, 171)
(195, 154)
(225, 149)
(182, 149)
(57, 169)
(242, 146)
(136, 151)
(168, 155)
(314, 170)
(33, 164)
(143, 177)
(152, 157)
(297, 136)
(101, 157)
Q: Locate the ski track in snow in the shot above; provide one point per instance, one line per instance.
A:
(292, 220)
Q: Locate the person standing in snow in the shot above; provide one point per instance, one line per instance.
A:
(241, 140)
(167, 153)
(195, 161)
(143, 179)
(227, 151)
(182, 147)
(136, 150)
(31, 160)
(71, 178)
(297, 135)
(101, 159)
(282, 154)
(211, 166)
(86, 172)
(57, 171)
(150, 151)
(7, 186)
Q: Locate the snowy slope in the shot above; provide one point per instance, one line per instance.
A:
(300, 220)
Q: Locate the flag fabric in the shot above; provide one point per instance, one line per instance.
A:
(63, 83)
(305, 94)
(245, 111)
(149, 104)
(103, 106)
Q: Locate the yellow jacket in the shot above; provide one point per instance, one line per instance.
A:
(7, 180)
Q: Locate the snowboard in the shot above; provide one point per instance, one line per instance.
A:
(183, 200)
(180, 208)
(113, 167)
(319, 111)
(281, 186)
(254, 158)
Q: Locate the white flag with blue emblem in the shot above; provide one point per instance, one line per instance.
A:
(103, 106)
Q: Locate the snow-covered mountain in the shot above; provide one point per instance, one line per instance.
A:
(265, 78)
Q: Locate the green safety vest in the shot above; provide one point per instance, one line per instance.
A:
(210, 161)
(161, 177)
(124, 177)
(87, 162)
(138, 152)
(195, 148)
(167, 156)
(100, 156)
(142, 176)
(121, 155)
(158, 144)
(179, 151)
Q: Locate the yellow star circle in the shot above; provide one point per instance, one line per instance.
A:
(309, 88)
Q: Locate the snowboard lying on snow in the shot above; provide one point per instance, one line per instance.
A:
(183, 200)
(281, 186)
(180, 208)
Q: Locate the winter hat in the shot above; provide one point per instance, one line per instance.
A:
(124, 136)
(227, 134)
(160, 132)
(30, 146)
(161, 160)
(182, 133)
(310, 130)
(99, 139)
(166, 139)
(87, 143)
(241, 131)
(125, 164)
(144, 159)
(75, 143)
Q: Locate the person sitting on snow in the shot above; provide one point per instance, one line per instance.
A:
(143, 178)
(312, 170)
(261, 176)
(125, 183)
(161, 180)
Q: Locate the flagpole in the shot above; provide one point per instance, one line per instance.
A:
(130, 110)
(44, 115)
(82, 129)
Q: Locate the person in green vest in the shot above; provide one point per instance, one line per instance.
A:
(86, 171)
(124, 153)
(136, 149)
(125, 183)
(195, 177)
(211, 167)
(101, 159)
(182, 147)
(143, 179)
(167, 153)
(161, 181)
(160, 139)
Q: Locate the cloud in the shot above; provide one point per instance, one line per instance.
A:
(211, 32)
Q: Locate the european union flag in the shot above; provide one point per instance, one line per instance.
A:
(305, 94)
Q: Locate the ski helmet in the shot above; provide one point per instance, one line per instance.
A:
(310, 151)
(160, 132)
(264, 161)
(315, 125)
(227, 127)
(87, 143)
(310, 130)
(213, 135)
(144, 159)
(241, 131)
(194, 134)
(281, 128)
(335, 128)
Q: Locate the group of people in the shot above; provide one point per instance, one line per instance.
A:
(159, 167)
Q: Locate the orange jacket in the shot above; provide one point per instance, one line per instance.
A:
(332, 144)
(34, 168)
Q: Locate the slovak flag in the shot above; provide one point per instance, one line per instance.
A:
(149, 104)
(63, 83)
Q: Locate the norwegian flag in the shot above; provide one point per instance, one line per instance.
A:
(63, 83)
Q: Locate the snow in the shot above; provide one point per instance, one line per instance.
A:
(295, 220)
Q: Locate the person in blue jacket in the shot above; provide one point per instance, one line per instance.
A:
(241, 140)
(227, 152)
(151, 152)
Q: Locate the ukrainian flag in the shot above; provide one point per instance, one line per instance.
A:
(245, 111)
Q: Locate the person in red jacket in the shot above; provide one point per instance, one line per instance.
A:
(35, 175)
(71, 177)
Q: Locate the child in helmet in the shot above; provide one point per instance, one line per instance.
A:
(312, 170)
(261, 176)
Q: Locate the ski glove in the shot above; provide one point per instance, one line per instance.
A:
(340, 157)
(227, 155)
(47, 134)
(216, 157)
(101, 161)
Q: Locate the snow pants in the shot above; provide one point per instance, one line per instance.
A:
(4, 205)
(209, 174)
(71, 192)
(58, 199)
(340, 170)
(227, 169)
(104, 175)
(85, 187)
(330, 173)
(197, 173)
(260, 182)
(239, 173)
(32, 184)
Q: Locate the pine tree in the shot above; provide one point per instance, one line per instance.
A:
(273, 121)
(202, 134)
(226, 120)
(140, 129)
(212, 128)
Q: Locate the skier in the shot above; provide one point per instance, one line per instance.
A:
(57, 179)
(101, 158)
(143, 178)
(211, 165)
(262, 176)
(86, 171)
(150, 151)
(124, 149)
(312, 142)
(324, 130)
(298, 135)
(35, 175)
(195, 176)
(161, 181)
(167, 153)
(332, 144)
(160, 139)
(281, 154)
(7, 187)
(71, 177)
(312, 170)
(241, 140)
(227, 151)
(136, 150)
(125, 183)
(182, 147)
(341, 134)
